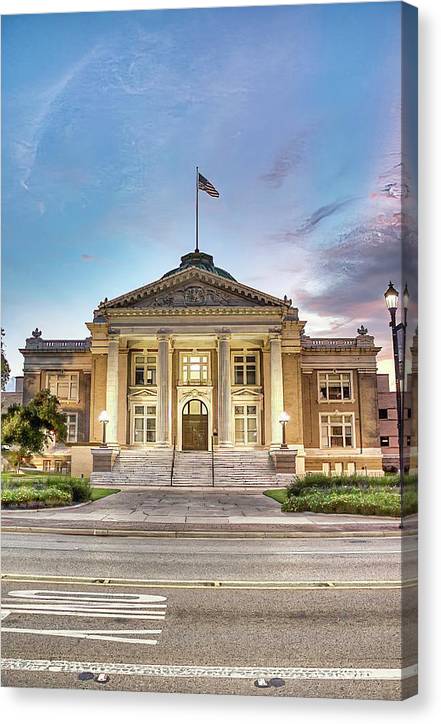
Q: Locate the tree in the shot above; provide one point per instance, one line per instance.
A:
(28, 428)
(6, 370)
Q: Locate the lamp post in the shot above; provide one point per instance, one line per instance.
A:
(104, 418)
(283, 419)
(391, 298)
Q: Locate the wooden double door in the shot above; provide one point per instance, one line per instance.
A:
(195, 426)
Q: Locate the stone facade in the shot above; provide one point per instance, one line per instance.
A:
(197, 360)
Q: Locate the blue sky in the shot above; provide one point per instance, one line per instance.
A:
(292, 112)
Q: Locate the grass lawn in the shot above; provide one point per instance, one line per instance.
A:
(98, 493)
(278, 494)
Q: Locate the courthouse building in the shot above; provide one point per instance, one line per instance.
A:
(197, 362)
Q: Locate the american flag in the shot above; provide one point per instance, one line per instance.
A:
(205, 185)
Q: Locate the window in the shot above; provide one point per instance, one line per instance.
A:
(145, 369)
(245, 424)
(336, 430)
(195, 407)
(144, 424)
(384, 441)
(62, 466)
(408, 440)
(245, 369)
(64, 386)
(72, 427)
(409, 413)
(334, 386)
(195, 369)
(383, 414)
(46, 466)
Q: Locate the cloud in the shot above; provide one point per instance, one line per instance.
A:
(286, 160)
(321, 213)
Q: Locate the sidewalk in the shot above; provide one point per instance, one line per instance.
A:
(165, 512)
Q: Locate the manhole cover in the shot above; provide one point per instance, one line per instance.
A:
(262, 684)
(276, 682)
(86, 676)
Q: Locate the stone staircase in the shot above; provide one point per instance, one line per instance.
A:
(243, 467)
(139, 467)
(191, 469)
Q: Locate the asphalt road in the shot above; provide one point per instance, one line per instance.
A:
(321, 617)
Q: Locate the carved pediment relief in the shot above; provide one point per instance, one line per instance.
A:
(194, 295)
(193, 288)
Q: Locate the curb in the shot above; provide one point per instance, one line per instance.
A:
(123, 533)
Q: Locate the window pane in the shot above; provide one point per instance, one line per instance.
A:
(151, 376)
(251, 358)
(252, 436)
(251, 376)
(139, 376)
(151, 361)
(139, 435)
(251, 410)
(150, 436)
(346, 392)
(139, 360)
(238, 375)
(139, 409)
(239, 424)
(252, 423)
(348, 439)
(238, 410)
(151, 423)
(63, 390)
(139, 423)
(336, 441)
(238, 358)
(323, 392)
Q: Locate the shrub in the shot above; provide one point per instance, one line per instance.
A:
(27, 495)
(319, 481)
(78, 488)
(351, 501)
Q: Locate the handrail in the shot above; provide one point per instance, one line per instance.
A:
(212, 460)
(173, 461)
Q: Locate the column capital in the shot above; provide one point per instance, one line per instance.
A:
(163, 335)
(223, 334)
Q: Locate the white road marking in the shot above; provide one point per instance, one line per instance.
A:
(4, 614)
(86, 614)
(93, 634)
(95, 605)
(116, 598)
(210, 672)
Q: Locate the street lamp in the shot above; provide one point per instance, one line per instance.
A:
(104, 418)
(283, 419)
(391, 298)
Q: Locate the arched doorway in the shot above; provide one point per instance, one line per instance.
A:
(195, 426)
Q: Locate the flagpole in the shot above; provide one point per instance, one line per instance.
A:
(197, 210)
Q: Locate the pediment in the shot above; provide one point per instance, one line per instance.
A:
(194, 288)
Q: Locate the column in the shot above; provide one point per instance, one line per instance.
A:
(162, 412)
(112, 390)
(224, 390)
(276, 388)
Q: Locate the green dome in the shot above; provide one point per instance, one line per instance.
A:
(200, 260)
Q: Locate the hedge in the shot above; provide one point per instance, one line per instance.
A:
(27, 496)
(320, 482)
(79, 489)
(352, 501)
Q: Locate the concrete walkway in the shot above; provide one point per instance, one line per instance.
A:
(178, 510)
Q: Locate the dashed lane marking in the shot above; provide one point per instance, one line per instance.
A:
(214, 584)
(209, 672)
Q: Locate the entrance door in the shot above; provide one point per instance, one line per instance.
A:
(195, 426)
